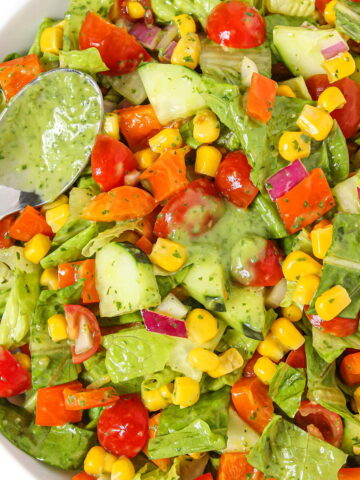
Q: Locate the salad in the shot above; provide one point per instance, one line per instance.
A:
(189, 308)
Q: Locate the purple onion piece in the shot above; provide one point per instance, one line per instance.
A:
(285, 179)
(159, 323)
(358, 192)
(169, 51)
(335, 49)
(148, 36)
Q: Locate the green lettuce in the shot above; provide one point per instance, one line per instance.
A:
(234, 339)
(330, 347)
(184, 468)
(286, 452)
(287, 387)
(158, 379)
(346, 194)
(88, 61)
(199, 428)
(267, 210)
(169, 282)
(348, 19)
(241, 437)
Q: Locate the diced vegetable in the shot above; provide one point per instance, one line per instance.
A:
(14, 379)
(17, 73)
(333, 50)
(158, 323)
(285, 179)
(261, 98)
(76, 399)
(28, 224)
(148, 36)
(138, 125)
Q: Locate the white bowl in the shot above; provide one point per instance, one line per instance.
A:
(19, 20)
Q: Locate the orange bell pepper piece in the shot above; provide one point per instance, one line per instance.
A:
(138, 124)
(17, 73)
(162, 463)
(350, 369)
(28, 224)
(261, 98)
(349, 474)
(235, 466)
(85, 399)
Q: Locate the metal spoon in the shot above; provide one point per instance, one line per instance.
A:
(84, 122)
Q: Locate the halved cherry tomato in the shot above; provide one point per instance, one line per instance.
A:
(83, 476)
(249, 366)
(347, 117)
(14, 379)
(118, 49)
(17, 73)
(162, 463)
(138, 124)
(350, 369)
(252, 402)
(84, 329)
(70, 273)
(339, 327)
(194, 210)
(85, 399)
(320, 422)
(123, 428)
(321, 4)
(111, 160)
(237, 25)
(233, 180)
(50, 406)
(349, 474)
(5, 225)
(297, 358)
(28, 224)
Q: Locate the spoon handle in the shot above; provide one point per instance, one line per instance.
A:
(12, 200)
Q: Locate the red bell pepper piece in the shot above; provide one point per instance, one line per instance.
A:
(5, 225)
(261, 98)
(17, 73)
(29, 223)
(70, 273)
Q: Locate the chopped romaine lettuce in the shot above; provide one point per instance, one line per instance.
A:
(287, 387)
(294, 8)
(348, 19)
(88, 61)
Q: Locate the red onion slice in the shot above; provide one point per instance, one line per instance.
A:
(335, 49)
(148, 36)
(285, 179)
(158, 323)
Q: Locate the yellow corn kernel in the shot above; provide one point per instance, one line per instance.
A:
(305, 289)
(321, 239)
(203, 359)
(112, 125)
(329, 12)
(332, 302)
(165, 139)
(294, 145)
(51, 40)
(145, 158)
(37, 248)
(56, 203)
(206, 126)
(230, 360)
(357, 398)
(339, 67)
(94, 461)
(49, 278)
(201, 326)
(356, 450)
(168, 255)
(57, 327)
(187, 51)
(285, 91)
(315, 122)
(286, 334)
(108, 462)
(186, 392)
(23, 359)
(270, 347)
(123, 469)
(265, 369)
(166, 392)
(56, 217)
(135, 10)
(185, 24)
(153, 400)
(292, 313)
(207, 160)
(331, 99)
(298, 264)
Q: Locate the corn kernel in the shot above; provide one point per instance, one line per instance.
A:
(230, 360)
(305, 289)
(51, 40)
(37, 248)
(315, 122)
(56, 217)
(165, 139)
(270, 347)
(23, 359)
(292, 313)
(108, 462)
(169, 255)
(329, 12)
(206, 126)
(332, 302)
(145, 158)
(166, 392)
(203, 359)
(186, 392)
(201, 326)
(294, 145)
(339, 67)
(153, 400)
(207, 160)
(265, 369)
(285, 91)
(356, 450)
(49, 278)
(357, 398)
(187, 51)
(112, 125)
(331, 99)
(123, 469)
(321, 239)
(298, 264)
(57, 327)
(135, 10)
(94, 461)
(185, 24)
(56, 203)
(286, 334)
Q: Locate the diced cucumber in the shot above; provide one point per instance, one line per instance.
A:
(346, 194)
(125, 280)
(300, 48)
(129, 86)
(299, 87)
(172, 90)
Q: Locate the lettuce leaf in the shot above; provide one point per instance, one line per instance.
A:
(88, 61)
(348, 19)
(293, 8)
(287, 387)
(330, 347)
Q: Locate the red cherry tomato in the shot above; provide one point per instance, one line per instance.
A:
(123, 428)
(14, 379)
(237, 25)
(84, 329)
(297, 358)
(119, 50)
(339, 327)
(347, 117)
(349, 474)
(320, 422)
(195, 209)
(233, 180)
(111, 160)
(321, 4)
